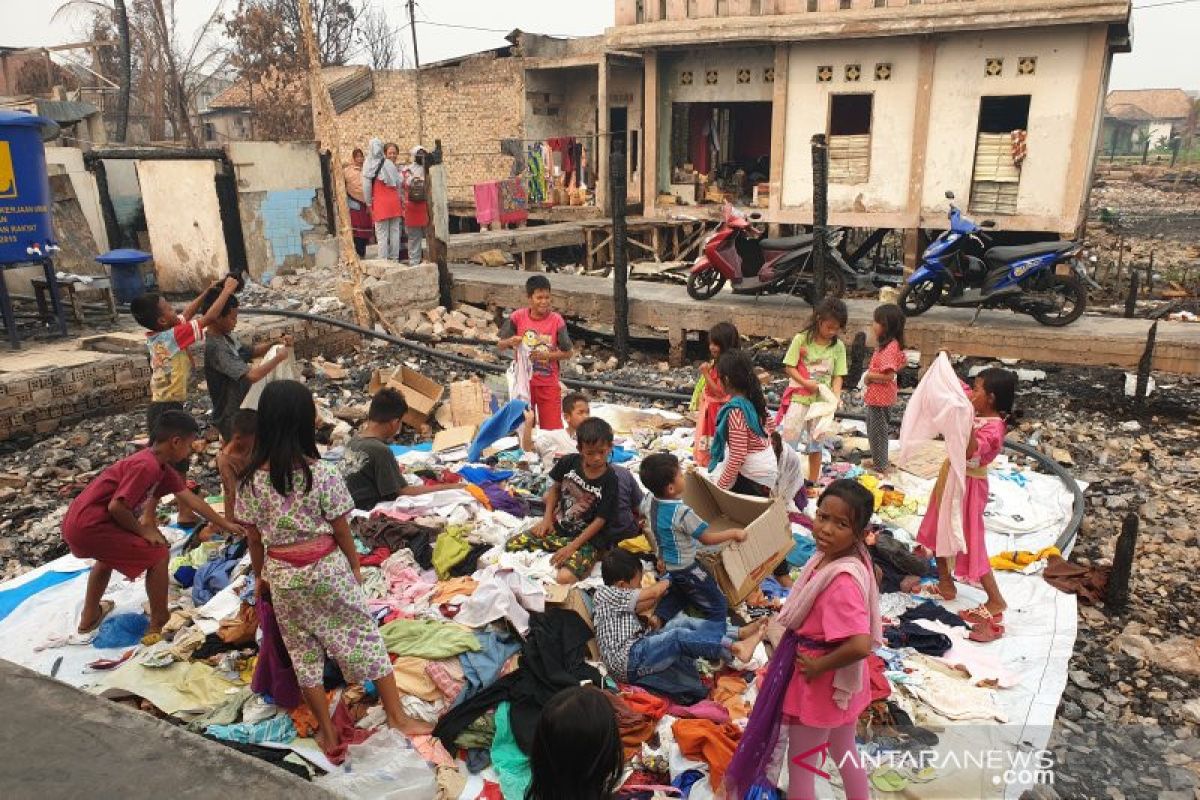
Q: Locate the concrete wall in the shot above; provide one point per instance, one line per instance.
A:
(892, 119)
(184, 223)
(69, 160)
(281, 204)
(725, 62)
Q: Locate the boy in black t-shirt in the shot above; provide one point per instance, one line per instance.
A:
(581, 500)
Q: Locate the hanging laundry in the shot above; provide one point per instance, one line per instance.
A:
(536, 180)
(513, 201)
(487, 203)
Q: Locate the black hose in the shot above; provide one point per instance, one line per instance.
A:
(1064, 539)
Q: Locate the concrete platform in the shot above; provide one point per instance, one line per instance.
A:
(1091, 341)
(59, 742)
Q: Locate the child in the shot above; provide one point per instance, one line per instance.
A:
(992, 398)
(581, 500)
(818, 348)
(235, 455)
(369, 466)
(295, 507)
(171, 334)
(817, 681)
(109, 520)
(722, 338)
(227, 370)
(577, 751)
(882, 389)
(631, 652)
(551, 344)
(551, 445)
(675, 528)
(741, 454)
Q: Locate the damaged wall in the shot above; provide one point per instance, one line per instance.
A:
(78, 250)
(281, 204)
(183, 219)
(69, 161)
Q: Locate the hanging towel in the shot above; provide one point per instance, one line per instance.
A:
(487, 203)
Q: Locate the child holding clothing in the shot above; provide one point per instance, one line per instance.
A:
(817, 682)
(882, 390)
(551, 445)
(631, 652)
(234, 457)
(545, 328)
(741, 455)
(582, 499)
(992, 399)
(295, 506)
(112, 520)
(722, 338)
(675, 528)
(818, 350)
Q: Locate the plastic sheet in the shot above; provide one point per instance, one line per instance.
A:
(384, 767)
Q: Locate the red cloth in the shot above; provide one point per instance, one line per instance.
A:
(548, 402)
(880, 688)
(487, 203)
(385, 202)
(514, 203)
(416, 213)
(375, 557)
(91, 532)
(886, 359)
(361, 224)
(304, 554)
(643, 702)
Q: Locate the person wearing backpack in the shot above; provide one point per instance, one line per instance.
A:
(381, 191)
(416, 204)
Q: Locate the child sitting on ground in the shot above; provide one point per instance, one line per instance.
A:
(235, 455)
(576, 751)
(551, 445)
(631, 651)
(675, 528)
(580, 502)
(369, 466)
(112, 520)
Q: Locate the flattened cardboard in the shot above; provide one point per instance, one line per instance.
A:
(468, 403)
(925, 460)
(739, 567)
(421, 393)
(451, 438)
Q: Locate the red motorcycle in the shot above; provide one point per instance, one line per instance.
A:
(738, 252)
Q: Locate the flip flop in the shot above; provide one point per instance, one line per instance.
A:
(106, 607)
(980, 614)
(889, 779)
(985, 632)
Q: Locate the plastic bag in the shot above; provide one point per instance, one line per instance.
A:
(287, 371)
(384, 767)
(810, 422)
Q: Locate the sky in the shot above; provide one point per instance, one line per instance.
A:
(1164, 46)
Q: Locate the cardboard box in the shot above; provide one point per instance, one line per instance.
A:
(421, 393)
(571, 598)
(739, 567)
(454, 437)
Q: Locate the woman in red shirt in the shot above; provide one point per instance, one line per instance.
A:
(416, 204)
(381, 191)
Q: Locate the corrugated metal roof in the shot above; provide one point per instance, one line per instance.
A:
(1158, 103)
(66, 111)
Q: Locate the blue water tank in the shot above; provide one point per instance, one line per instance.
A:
(26, 232)
(125, 266)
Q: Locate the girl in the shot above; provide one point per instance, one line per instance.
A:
(992, 398)
(711, 394)
(882, 388)
(576, 751)
(817, 681)
(360, 218)
(381, 193)
(741, 454)
(823, 355)
(295, 508)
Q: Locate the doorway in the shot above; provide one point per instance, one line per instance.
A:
(999, 153)
(722, 149)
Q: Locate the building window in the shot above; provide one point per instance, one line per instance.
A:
(850, 138)
(662, 9)
(843, 5)
(883, 71)
(993, 67)
(853, 72)
(743, 75)
(812, 5)
(999, 153)
(881, 3)
(639, 10)
(768, 74)
(210, 132)
(712, 77)
(1027, 65)
(824, 74)
(685, 78)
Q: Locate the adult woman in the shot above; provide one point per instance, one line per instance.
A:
(416, 207)
(381, 192)
(360, 218)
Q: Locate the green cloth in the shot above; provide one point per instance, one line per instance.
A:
(450, 549)
(510, 763)
(697, 393)
(227, 713)
(824, 362)
(479, 734)
(428, 638)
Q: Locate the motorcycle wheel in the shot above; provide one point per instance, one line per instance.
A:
(704, 284)
(917, 298)
(1070, 291)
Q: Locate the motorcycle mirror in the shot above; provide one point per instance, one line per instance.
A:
(949, 195)
(988, 223)
(756, 216)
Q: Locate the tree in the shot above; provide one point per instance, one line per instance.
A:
(40, 76)
(383, 46)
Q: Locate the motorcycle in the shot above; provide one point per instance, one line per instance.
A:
(739, 253)
(1022, 278)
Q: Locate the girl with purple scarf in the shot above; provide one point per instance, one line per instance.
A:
(816, 685)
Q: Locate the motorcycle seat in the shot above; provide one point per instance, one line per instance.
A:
(998, 256)
(786, 243)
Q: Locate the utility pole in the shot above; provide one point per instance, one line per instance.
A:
(616, 199)
(412, 24)
(820, 253)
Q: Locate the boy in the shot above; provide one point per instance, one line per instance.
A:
(235, 455)
(547, 331)
(675, 528)
(631, 652)
(170, 335)
(369, 466)
(112, 520)
(227, 370)
(581, 500)
(551, 445)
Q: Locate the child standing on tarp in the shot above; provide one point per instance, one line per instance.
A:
(710, 393)
(882, 389)
(818, 351)
(544, 332)
(295, 506)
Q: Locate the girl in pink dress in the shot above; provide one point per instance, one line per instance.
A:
(722, 338)
(992, 397)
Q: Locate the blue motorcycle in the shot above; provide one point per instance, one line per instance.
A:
(1024, 278)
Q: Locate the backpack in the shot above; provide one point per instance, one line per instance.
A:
(416, 189)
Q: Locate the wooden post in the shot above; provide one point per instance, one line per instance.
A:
(1116, 595)
(858, 356)
(1150, 276)
(820, 157)
(1131, 297)
(325, 127)
(1144, 364)
(439, 224)
(617, 197)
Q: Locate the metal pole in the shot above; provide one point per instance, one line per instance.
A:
(820, 157)
(412, 24)
(617, 199)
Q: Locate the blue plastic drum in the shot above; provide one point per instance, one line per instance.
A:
(26, 228)
(125, 267)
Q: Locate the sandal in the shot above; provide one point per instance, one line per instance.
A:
(980, 614)
(889, 779)
(985, 632)
(931, 591)
(106, 607)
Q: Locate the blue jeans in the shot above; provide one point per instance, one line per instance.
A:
(694, 587)
(683, 637)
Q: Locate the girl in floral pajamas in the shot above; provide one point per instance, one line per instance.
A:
(294, 506)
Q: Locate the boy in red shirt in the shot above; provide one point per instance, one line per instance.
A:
(546, 333)
(112, 520)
